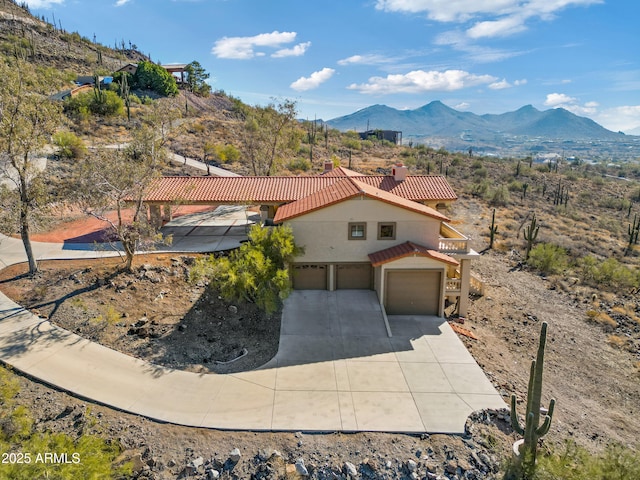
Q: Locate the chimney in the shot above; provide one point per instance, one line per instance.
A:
(328, 166)
(399, 172)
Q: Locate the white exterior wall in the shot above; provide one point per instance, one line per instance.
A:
(325, 236)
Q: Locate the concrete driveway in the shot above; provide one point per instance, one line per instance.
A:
(334, 346)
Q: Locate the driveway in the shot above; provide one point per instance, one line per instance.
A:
(334, 347)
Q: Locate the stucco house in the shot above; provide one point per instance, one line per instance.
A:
(380, 232)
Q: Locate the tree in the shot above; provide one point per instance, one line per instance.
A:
(258, 271)
(116, 180)
(153, 77)
(270, 135)
(28, 118)
(196, 79)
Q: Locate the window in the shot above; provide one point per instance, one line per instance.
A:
(358, 231)
(387, 231)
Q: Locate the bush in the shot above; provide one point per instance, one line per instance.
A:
(576, 463)
(70, 146)
(299, 164)
(88, 456)
(548, 258)
(500, 196)
(257, 272)
(153, 77)
(99, 102)
(608, 273)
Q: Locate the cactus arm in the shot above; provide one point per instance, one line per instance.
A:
(515, 424)
(544, 428)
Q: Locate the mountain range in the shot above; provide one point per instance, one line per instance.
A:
(438, 120)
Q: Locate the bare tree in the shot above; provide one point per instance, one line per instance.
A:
(116, 181)
(28, 118)
(270, 135)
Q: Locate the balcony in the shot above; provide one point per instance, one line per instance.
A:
(451, 240)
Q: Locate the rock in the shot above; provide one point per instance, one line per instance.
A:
(213, 474)
(235, 455)
(350, 470)
(233, 309)
(300, 468)
(182, 327)
(412, 466)
(451, 467)
(197, 462)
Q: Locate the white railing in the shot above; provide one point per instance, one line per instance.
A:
(476, 286)
(453, 245)
(452, 285)
(451, 240)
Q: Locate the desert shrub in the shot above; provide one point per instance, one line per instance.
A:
(476, 165)
(608, 273)
(299, 164)
(572, 462)
(352, 143)
(500, 196)
(99, 102)
(227, 153)
(257, 272)
(480, 173)
(88, 456)
(515, 186)
(548, 258)
(153, 77)
(69, 145)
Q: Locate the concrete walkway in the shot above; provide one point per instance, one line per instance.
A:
(336, 369)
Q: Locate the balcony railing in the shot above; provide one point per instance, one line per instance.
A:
(452, 241)
(452, 285)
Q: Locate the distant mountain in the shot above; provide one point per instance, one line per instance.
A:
(635, 131)
(438, 120)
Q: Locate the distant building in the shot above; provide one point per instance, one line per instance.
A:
(388, 135)
(130, 68)
(177, 70)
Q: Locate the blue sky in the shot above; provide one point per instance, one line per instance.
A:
(337, 56)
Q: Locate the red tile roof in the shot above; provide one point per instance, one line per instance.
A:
(206, 190)
(408, 249)
(343, 189)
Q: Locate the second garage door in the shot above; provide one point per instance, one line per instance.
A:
(353, 275)
(412, 292)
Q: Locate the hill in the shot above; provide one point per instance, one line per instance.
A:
(440, 120)
(42, 43)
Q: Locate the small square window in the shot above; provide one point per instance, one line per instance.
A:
(357, 231)
(387, 231)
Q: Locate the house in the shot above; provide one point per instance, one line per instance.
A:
(392, 136)
(379, 232)
(130, 68)
(177, 70)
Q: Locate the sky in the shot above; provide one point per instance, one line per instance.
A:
(334, 57)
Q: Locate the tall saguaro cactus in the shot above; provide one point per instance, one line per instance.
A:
(531, 234)
(493, 229)
(532, 430)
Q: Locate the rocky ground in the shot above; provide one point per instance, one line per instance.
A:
(595, 382)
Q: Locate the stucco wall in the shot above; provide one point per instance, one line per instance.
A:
(324, 233)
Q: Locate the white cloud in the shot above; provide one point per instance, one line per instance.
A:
(517, 83)
(505, 17)
(369, 59)
(119, 3)
(462, 106)
(296, 51)
(243, 48)
(557, 99)
(313, 81)
(419, 81)
(501, 85)
(43, 3)
(620, 119)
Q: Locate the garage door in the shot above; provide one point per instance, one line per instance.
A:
(310, 277)
(412, 292)
(354, 275)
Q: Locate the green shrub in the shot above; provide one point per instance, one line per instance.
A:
(352, 143)
(608, 273)
(500, 196)
(99, 102)
(548, 258)
(299, 164)
(576, 463)
(257, 272)
(153, 77)
(69, 144)
(87, 456)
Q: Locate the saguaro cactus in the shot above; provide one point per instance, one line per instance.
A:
(493, 229)
(633, 231)
(531, 234)
(532, 430)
